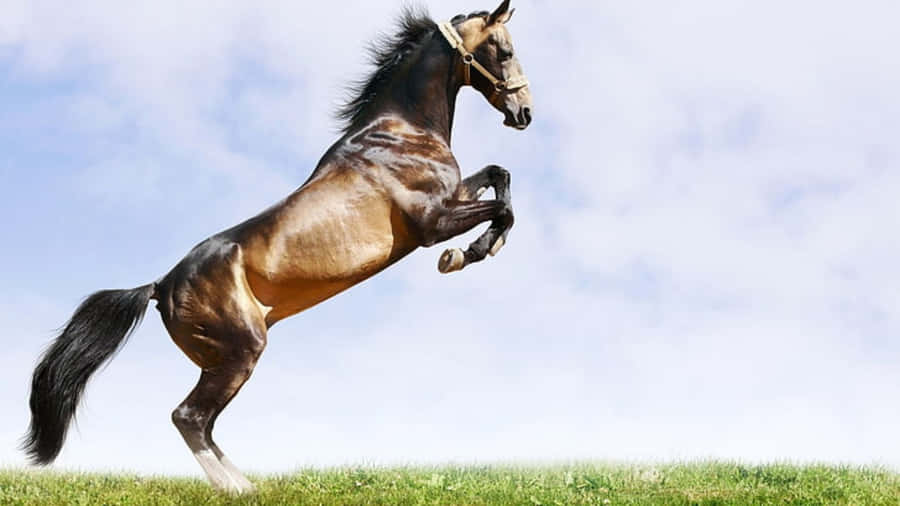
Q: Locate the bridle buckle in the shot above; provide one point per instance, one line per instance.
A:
(456, 42)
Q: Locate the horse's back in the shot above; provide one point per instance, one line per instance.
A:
(332, 233)
(349, 221)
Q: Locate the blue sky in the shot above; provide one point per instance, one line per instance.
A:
(703, 263)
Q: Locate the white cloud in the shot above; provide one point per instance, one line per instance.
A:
(703, 261)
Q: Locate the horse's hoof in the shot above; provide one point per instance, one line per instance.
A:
(497, 245)
(452, 260)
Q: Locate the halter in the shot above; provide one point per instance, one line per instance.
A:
(468, 59)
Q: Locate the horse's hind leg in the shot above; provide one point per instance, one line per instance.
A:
(226, 463)
(196, 416)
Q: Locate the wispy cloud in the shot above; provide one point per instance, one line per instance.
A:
(703, 262)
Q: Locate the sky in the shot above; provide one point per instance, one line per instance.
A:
(704, 261)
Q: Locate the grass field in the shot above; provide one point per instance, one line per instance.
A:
(698, 483)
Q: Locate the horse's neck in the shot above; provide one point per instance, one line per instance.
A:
(425, 94)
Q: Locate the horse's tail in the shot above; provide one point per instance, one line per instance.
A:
(100, 325)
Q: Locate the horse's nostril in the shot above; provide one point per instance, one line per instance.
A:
(526, 111)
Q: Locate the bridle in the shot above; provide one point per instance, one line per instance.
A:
(501, 86)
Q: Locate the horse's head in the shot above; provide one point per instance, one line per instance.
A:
(489, 63)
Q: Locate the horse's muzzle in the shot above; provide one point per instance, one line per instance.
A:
(525, 116)
(520, 120)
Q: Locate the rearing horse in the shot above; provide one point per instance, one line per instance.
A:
(387, 187)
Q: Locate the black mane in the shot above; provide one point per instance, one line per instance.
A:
(413, 28)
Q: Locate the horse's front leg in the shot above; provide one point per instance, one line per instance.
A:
(494, 237)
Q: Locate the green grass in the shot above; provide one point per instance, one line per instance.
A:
(687, 484)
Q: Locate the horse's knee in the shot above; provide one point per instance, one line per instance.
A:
(499, 175)
(188, 420)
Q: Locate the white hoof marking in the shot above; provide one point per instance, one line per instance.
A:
(215, 471)
(452, 260)
(245, 486)
(497, 245)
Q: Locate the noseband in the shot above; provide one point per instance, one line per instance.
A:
(501, 86)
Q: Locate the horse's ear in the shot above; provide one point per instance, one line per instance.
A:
(502, 14)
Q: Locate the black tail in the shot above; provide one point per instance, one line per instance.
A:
(98, 328)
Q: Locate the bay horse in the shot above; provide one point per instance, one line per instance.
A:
(389, 185)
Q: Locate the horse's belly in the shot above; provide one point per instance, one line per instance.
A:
(324, 251)
(313, 283)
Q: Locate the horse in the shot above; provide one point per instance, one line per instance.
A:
(388, 186)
